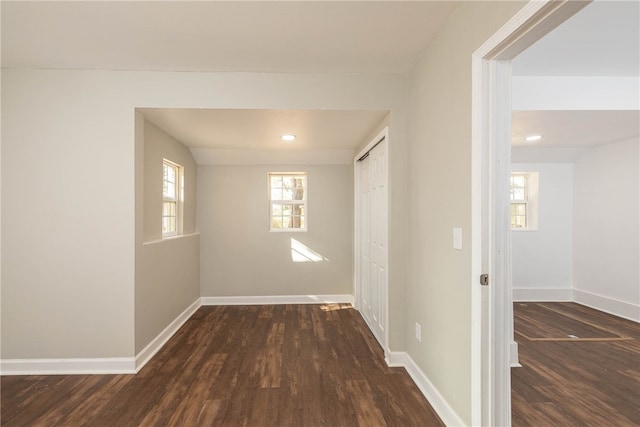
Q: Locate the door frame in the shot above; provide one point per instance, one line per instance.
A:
(382, 137)
(492, 306)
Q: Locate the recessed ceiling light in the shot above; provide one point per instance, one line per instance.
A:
(288, 137)
(533, 138)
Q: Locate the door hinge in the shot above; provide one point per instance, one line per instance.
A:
(484, 279)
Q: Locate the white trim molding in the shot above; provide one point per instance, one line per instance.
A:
(396, 359)
(430, 392)
(513, 353)
(401, 359)
(279, 299)
(616, 307)
(542, 294)
(132, 365)
(158, 342)
(75, 366)
(171, 238)
(490, 241)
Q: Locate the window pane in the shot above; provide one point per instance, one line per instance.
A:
(171, 173)
(288, 182)
(169, 209)
(276, 181)
(291, 190)
(517, 194)
(170, 190)
(298, 194)
(518, 215)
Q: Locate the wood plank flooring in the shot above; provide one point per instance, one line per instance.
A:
(590, 379)
(286, 365)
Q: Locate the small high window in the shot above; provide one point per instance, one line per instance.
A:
(524, 201)
(288, 201)
(172, 198)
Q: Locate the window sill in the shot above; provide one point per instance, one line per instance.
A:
(524, 229)
(289, 230)
(170, 238)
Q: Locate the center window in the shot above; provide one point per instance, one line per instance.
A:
(288, 201)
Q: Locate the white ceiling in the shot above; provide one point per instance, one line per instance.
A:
(306, 36)
(262, 129)
(574, 128)
(603, 39)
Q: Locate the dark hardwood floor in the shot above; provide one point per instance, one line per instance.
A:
(581, 367)
(286, 365)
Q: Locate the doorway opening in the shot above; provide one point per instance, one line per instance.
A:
(492, 311)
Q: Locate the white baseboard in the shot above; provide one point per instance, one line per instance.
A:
(279, 299)
(131, 365)
(106, 365)
(97, 366)
(513, 355)
(396, 359)
(158, 342)
(542, 294)
(437, 401)
(608, 305)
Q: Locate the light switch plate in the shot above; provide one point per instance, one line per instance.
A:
(457, 238)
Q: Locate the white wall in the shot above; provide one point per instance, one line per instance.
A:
(241, 257)
(70, 212)
(68, 215)
(575, 93)
(542, 259)
(167, 272)
(439, 291)
(606, 220)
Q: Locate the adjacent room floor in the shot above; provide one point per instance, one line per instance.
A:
(286, 365)
(581, 367)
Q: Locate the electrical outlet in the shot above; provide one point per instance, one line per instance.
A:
(418, 332)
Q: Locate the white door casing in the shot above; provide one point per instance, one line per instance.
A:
(492, 316)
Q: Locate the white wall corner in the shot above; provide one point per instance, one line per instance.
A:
(542, 294)
(279, 299)
(75, 366)
(156, 344)
(618, 308)
(431, 393)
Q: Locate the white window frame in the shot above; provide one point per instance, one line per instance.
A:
(178, 199)
(302, 202)
(531, 197)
